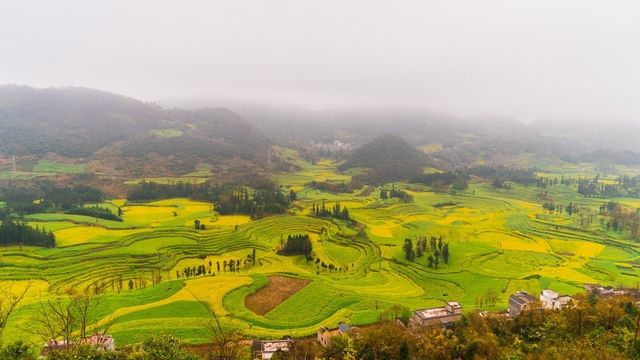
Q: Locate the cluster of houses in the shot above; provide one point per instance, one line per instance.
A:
(551, 300)
(444, 316)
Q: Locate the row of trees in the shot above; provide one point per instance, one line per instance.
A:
(264, 199)
(97, 212)
(442, 181)
(624, 185)
(46, 196)
(502, 174)
(395, 193)
(569, 209)
(320, 264)
(19, 233)
(336, 212)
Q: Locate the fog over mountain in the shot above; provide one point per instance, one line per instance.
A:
(528, 60)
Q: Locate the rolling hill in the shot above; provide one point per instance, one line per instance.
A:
(389, 157)
(83, 124)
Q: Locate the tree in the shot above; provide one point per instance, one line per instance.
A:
(196, 224)
(226, 343)
(9, 300)
(408, 250)
(164, 347)
(345, 214)
(445, 253)
(17, 351)
(69, 318)
(403, 354)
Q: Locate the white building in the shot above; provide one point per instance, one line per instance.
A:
(551, 300)
(264, 350)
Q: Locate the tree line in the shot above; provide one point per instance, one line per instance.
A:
(395, 193)
(23, 234)
(336, 212)
(47, 196)
(263, 199)
(623, 186)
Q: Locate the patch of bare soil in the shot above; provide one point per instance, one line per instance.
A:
(277, 290)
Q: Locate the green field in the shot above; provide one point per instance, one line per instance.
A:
(499, 240)
(49, 166)
(167, 133)
(44, 168)
(202, 173)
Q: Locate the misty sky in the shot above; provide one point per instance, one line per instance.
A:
(526, 59)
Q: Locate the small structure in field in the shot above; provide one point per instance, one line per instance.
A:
(443, 316)
(264, 349)
(519, 302)
(551, 300)
(325, 334)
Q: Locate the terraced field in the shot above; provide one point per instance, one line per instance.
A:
(499, 240)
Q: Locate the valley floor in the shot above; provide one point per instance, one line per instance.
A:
(499, 241)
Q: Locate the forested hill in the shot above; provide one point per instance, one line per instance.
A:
(79, 122)
(389, 157)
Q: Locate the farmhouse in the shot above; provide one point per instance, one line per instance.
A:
(325, 335)
(551, 300)
(264, 349)
(519, 301)
(443, 316)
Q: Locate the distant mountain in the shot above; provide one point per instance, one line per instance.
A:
(465, 140)
(606, 156)
(583, 135)
(88, 123)
(389, 158)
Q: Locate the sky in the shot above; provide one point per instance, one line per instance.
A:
(541, 59)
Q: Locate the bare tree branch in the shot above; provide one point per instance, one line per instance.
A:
(8, 303)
